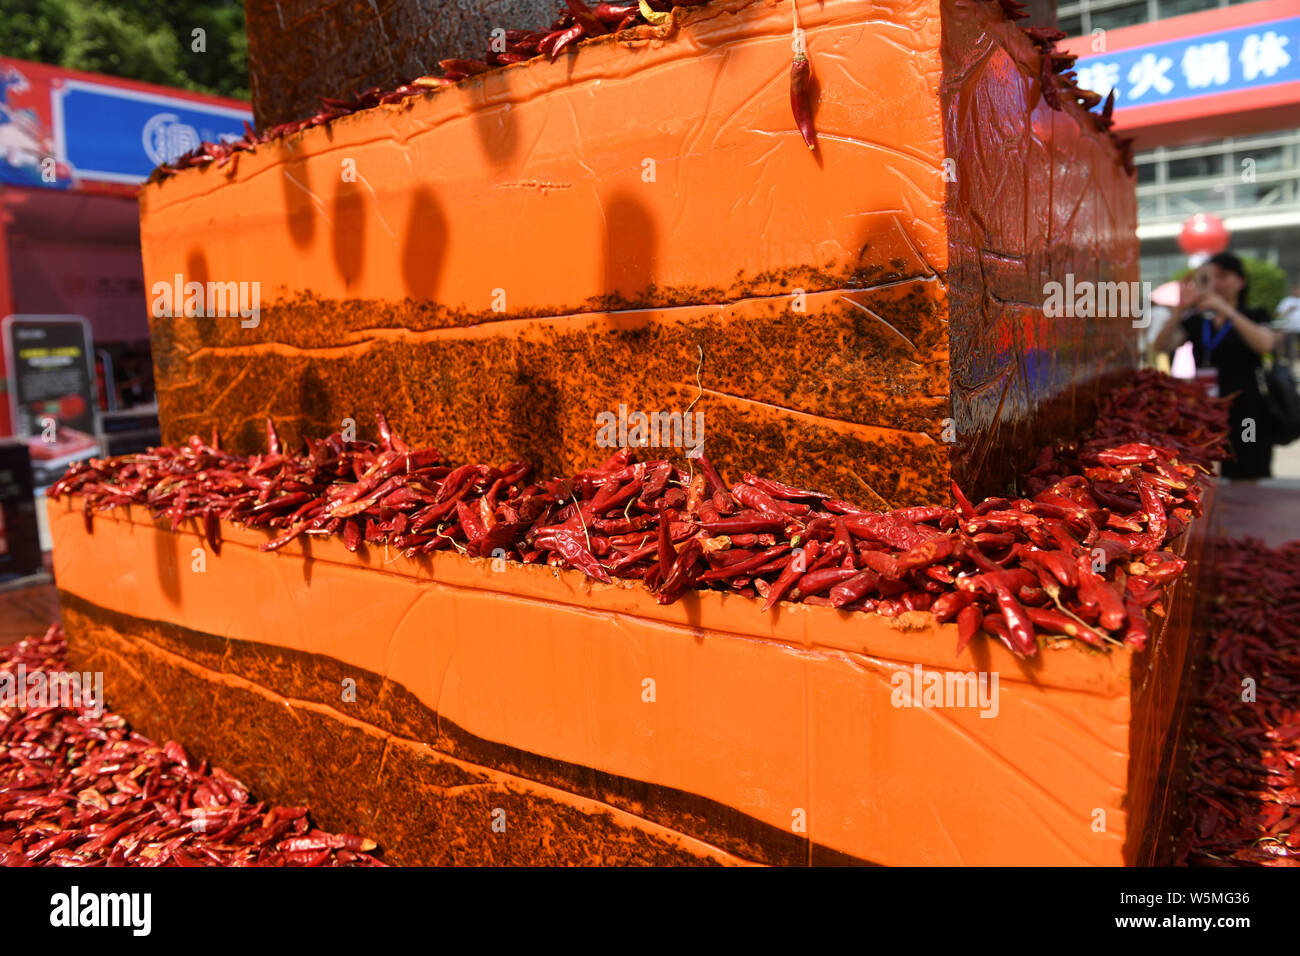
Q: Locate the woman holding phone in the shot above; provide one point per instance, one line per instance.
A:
(1229, 338)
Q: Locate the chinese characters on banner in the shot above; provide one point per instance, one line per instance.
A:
(1239, 59)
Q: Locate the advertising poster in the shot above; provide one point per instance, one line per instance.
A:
(64, 129)
(51, 389)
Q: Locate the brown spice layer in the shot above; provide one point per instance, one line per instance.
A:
(388, 766)
(849, 396)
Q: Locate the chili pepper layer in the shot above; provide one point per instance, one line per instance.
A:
(1082, 558)
(1243, 804)
(79, 788)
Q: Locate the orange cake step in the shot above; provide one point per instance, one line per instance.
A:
(639, 223)
(461, 711)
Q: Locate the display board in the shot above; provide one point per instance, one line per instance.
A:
(52, 394)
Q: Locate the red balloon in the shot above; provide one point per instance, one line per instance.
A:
(1203, 233)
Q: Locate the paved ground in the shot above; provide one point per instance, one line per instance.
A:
(27, 608)
(1268, 509)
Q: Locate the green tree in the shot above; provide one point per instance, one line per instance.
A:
(34, 30)
(134, 39)
(1267, 284)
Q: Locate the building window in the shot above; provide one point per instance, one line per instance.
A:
(1234, 177)
(1081, 17)
(1130, 14)
(1071, 26)
(1189, 202)
(1257, 194)
(1177, 8)
(1195, 167)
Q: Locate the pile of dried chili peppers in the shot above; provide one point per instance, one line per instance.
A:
(579, 21)
(1244, 791)
(1083, 558)
(79, 788)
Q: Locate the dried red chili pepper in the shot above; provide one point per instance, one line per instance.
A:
(757, 500)
(823, 579)
(777, 489)
(801, 82)
(1057, 622)
(1138, 633)
(800, 105)
(1094, 591)
(1019, 628)
(926, 553)
(968, 625)
(795, 566)
(566, 38)
(680, 575)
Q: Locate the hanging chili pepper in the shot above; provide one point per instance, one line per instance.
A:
(800, 106)
(801, 82)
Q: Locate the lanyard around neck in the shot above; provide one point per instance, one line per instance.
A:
(1212, 343)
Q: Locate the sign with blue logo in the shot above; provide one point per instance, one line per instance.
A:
(120, 135)
(1243, 58)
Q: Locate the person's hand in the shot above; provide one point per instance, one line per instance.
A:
(1189, 293)
(1213, 302)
